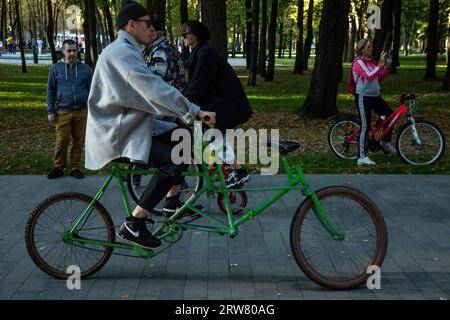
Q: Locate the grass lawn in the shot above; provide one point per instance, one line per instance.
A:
(26, 139)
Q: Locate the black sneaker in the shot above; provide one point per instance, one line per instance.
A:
(174, 203)
(77, 174)
(135, 231)
(55, 173)
(237, 178)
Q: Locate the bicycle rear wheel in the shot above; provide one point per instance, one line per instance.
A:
(136, 183)
(341, 141)
(332, 263)
(46, 235)
(431, 146)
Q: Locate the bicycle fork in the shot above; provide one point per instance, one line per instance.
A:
(414, 131)
(307, 191)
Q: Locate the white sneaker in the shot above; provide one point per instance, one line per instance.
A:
(388, 147)
(365, 161)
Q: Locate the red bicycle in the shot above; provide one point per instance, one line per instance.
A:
(419, 142)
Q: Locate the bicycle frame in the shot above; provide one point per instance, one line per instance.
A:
(389, 122)
(170, 227)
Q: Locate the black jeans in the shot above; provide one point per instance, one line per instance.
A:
(169, 174)
(365, 105)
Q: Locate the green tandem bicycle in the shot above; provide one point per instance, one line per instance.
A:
(336, 232)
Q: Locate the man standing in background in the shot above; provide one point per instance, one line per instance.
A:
(68, 87)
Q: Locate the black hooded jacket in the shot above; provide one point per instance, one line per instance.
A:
(214, 86)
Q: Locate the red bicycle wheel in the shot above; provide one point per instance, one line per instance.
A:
(238, 200)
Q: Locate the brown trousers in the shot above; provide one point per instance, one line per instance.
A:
(70, 124)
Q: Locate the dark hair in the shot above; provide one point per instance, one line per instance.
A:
(157, 24)
(198, 29)
(69, 42)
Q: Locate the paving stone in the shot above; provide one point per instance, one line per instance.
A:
(257, 264)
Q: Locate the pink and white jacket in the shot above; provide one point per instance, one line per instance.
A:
(367, 75)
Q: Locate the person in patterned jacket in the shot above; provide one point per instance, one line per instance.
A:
(164, 59)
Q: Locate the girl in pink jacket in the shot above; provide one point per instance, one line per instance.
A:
(367, 76)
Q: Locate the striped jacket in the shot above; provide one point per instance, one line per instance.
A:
(367, 75)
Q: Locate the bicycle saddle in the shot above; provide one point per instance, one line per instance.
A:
(405, 97)
(128, 161)
(284, 146)
(121, 160)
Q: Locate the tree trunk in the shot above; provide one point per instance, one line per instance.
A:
(87, 37)
(101, 30)
(169, 22)
(290, 43)
(248, 38)
(263, 45)
(397, 11)
(309, 35)
(381, 40)
(360, 11)
(322, 94)
(32, 20)
(411, 36)
(350, 39)
(104, 29)
(19, 31)
(239, 41)
(255, 41)
(432, 41)
(405, 39)
(271, 41)
(45, 23)
(55, 21)
(198, 9)
(447, 72)
(215, 18)
(442, 36)
(3, 22)
(299, 46)
(233, 46)
(157, 9)
(280, 40)
(10, 14)
(92, 30)
(184, 17)
(109, 22)
(51, 31)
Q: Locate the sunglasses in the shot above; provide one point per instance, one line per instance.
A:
(184, 35)
(149, 22)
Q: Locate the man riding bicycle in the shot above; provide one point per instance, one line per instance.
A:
(124, 97)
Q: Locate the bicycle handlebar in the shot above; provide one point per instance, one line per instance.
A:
(405, 97)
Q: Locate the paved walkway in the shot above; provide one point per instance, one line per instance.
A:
(257, 264)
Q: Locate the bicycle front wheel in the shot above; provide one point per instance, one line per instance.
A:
(343, 138)
(427, 148)
(47, 241)
(339, 263)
